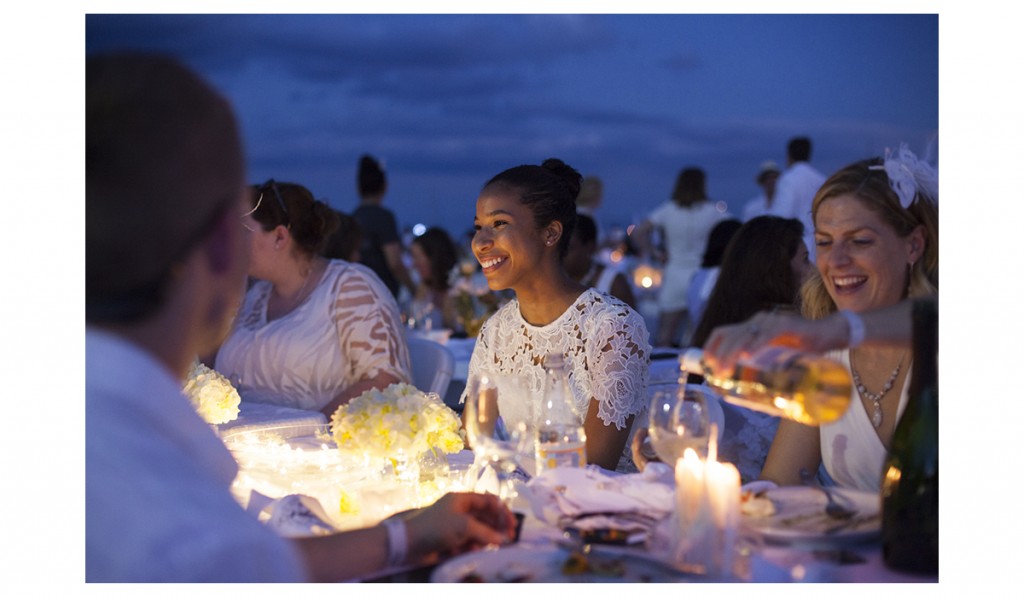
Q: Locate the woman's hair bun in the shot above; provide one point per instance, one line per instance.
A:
(572, 178)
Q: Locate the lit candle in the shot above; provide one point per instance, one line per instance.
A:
(707, 511)
(689, 489)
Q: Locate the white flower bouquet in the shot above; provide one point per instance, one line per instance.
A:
(400, 422)
(212, 395)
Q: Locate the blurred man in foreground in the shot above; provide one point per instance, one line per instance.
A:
(166, 258)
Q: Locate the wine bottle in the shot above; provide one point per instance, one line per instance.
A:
(910, 475)
(807, 388)
(561, 440)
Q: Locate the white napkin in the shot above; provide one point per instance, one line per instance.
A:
(758, 486)
(623, 499)
(297, 515)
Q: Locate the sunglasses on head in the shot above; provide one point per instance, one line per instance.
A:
(271, 186)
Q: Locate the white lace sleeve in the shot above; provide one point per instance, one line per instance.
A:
(617, 359)
(369, 326)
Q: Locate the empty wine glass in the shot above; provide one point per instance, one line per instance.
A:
(679, 419)
(495, 444)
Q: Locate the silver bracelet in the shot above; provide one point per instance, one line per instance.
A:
(398, 541)
(856, 325)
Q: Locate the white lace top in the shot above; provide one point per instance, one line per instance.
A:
(347, 329)
(606, 350)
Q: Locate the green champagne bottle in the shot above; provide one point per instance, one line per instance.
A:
(910, 476)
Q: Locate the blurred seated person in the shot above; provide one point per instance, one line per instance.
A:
(589, 203)
(163, 277)
(762, 270)
(703, 281)
(582, 265)
(433, 257)
(345, 241)
(312, 333)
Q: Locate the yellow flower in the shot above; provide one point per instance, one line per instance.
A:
(400, 418)
(212, 395)
(347, 505)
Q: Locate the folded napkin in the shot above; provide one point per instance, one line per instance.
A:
(592, 497)
(758, 486)
(295, 516)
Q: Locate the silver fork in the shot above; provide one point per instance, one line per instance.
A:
(832, 508)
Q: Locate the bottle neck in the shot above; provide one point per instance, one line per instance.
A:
(924, 380)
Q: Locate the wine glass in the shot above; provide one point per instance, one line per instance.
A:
(495, 444)
(679, 419)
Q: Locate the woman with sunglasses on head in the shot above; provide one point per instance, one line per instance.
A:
(524, 221)
(312, 333)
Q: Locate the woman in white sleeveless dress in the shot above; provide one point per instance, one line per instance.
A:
(685, 222)
(877, 245)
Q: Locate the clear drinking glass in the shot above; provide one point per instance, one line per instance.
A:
(495, 444)
(679, 418)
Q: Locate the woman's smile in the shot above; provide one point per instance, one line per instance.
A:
(491, 264)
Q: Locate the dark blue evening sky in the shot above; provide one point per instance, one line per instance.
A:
(447, 101)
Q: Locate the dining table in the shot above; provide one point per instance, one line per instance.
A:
(543, 543)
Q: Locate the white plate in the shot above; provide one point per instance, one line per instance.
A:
(800, 516)
(543, 564)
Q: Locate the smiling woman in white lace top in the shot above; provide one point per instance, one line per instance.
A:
(524, 219)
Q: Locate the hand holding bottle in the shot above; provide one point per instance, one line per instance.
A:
(888, 326)
(730, 343)
(806, 388)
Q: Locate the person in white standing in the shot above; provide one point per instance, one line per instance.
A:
(764, 203)
(796, 188)
(685, 222)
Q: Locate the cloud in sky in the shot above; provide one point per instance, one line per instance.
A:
(450, 100)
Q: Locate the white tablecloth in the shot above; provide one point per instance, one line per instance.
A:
(254, 416)
(773, 563)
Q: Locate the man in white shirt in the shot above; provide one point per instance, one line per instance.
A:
(763, 203)
(797, 186)
(166, 257)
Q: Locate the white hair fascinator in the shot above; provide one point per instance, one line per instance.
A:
(909, 176)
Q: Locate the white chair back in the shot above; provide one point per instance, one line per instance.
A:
(432, 365)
